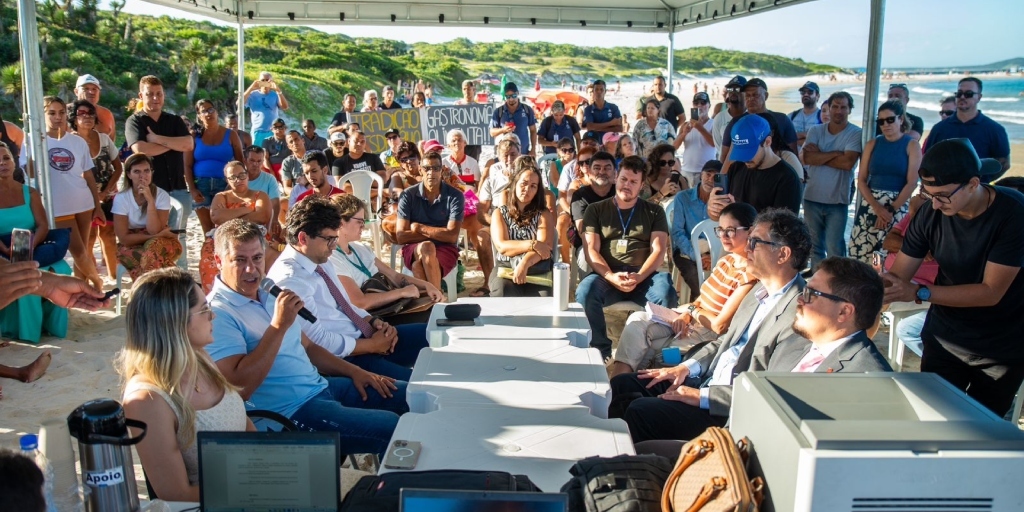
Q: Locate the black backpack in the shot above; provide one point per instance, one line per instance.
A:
(374, 493)
(625, 483)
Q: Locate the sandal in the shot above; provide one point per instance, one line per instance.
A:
(483, 291)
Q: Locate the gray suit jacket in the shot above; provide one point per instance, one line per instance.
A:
(777, 326)
(858, 355)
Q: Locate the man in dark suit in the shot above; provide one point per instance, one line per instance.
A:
(839, 303)
(683, 401)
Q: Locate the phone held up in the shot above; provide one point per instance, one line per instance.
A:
(694, 113)
(21, 245)
(721, 181)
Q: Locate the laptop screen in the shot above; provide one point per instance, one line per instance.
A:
(433, 500)
(269, 471)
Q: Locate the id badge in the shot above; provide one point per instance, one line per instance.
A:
(620, 247)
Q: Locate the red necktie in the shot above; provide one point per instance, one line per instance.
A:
(361, 324)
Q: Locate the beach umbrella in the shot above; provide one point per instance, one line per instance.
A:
(543, 99)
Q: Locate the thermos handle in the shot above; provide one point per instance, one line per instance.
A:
(121, 441)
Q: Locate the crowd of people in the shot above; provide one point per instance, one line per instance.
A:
(791, 291)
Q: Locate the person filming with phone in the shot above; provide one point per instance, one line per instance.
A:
(265, 101)
(757, 175)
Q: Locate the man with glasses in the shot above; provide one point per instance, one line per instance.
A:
(682, 401)
(337, 147)
(312, 140)
(259, 347)
(901, 93)
(669, 106)
(314, 168)
(807, 116)
(340, 327)
(515, 117)
(429, 220)
(947, 107)
(689, 209)
(275, 148)
(988, 137)
(830, 153)
(625, 239)
(755, 96)
(340, 119)
(758, 176)
(735, 106)
(972, 334)
(600, 117)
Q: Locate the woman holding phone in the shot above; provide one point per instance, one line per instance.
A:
(141, 210)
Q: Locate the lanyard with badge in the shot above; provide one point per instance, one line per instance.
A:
(358, 264)
(619, 249)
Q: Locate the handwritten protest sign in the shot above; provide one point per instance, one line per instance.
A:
(408, 121)
(473, 120)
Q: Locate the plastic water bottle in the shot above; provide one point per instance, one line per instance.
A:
(30, 448)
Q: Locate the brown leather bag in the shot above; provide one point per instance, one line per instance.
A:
(711, 476)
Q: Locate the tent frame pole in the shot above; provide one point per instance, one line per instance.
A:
(671, 49)
(32, 87)
(240, 112)
(873, 73)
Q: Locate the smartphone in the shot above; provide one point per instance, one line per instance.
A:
(444, 322)
(111, 293)
(677, 179)
(402, 454)
(694, 113)
(877, 260)
(21, 245)
(722, 181)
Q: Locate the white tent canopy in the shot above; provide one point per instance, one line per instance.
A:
(636, 15)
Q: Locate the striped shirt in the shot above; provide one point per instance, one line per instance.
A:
(729, 274)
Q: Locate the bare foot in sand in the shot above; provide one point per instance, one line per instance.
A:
(37, 368)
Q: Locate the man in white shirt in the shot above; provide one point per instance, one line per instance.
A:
(342, 328)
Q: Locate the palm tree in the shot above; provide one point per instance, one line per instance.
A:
(64, 80)
(10, 77)
(193, 55)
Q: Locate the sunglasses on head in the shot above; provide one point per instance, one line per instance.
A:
(966, 94)
(882, 121)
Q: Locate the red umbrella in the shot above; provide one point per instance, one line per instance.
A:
(543, 99)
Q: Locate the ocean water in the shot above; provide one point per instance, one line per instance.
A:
(1001, 100)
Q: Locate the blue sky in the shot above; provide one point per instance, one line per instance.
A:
(918, 33)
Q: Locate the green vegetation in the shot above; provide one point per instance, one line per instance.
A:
(315, 69)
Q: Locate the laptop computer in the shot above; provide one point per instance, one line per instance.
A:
(436, 500)
(269, 471)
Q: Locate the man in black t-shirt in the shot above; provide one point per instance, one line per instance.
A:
(165, 138)
(625, 241)
(974, 330)
(758, 176)
(357, 159)
(670, 108)
(601, 172)
(755, 95)
(340, 119)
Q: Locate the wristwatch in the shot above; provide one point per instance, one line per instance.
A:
(923, 294)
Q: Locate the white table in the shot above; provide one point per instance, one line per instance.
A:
(516, 318)
(518, 373)
(542, 442)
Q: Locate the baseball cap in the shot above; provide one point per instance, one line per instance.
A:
(955, 161)
(336, 136)
(432, 145)
(747, 135)
(87, 79)
(279, 121)
(611, 137)
(389, 133)
(511, 87)
(737, 81)
(558, 104)
(388, 88)
(701, 96)
(810, 85)
(712, 165)
(755, 82)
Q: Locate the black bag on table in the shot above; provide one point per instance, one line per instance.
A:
(624, 483)
(374, 493)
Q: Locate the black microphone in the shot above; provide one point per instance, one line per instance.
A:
(268, 286)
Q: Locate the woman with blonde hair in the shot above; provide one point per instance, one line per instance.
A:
(170, 383)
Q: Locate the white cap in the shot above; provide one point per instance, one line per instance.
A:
(87, 79)
(337, 136)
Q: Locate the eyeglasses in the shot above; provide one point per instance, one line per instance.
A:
(238, 177)
(753, 241)
(583, 162)
(409, 159)
(666, 163)
(808, 295)
(207, 310)
(362, 221)
(946, 199)
(206, 111)
(947, 113)
(84, 113)
(882, 121)
(567, 149)
(966, 94)
(431, 168)
(331, 240)
(729, 232)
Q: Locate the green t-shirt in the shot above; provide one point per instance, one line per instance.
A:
(603, 218)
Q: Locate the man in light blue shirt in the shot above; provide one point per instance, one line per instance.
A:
(259, 348)
(266, 183)
(265, 101)
(683, 401)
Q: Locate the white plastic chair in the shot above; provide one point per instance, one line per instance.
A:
(897, 312)
(450, 280)
(362, 186)
(707, 229)
(173, 219)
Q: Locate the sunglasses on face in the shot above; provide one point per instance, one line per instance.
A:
(966, 94)
(510, 96)
(431, 168)
(666, 163)
(732, 89)
(568, 149)
(206, 111)
(882, 121)
(808, 295)
(409, 159)
(583, 162)
(84, 113)
(752, 243)
(729, 232)
(947, 113)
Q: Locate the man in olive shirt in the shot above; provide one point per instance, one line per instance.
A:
(625, 242)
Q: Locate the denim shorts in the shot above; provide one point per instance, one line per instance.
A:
(209, 187)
